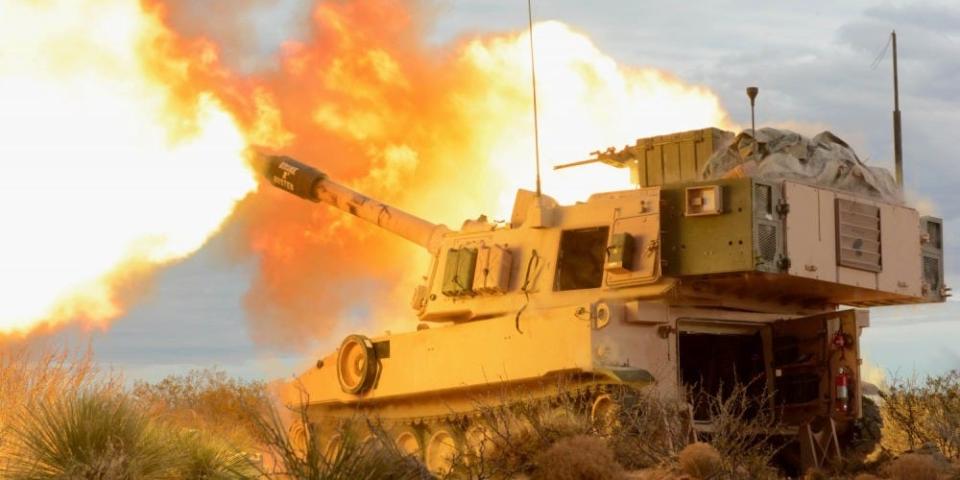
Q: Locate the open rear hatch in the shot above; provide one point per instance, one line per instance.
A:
(800, 360)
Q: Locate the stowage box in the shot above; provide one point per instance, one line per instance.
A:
(666, 159)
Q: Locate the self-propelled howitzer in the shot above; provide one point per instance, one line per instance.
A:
(681, 282)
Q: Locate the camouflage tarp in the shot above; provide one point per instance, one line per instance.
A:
(824, 160)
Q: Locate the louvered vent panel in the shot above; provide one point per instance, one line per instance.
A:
(767, 242)
(858, 236)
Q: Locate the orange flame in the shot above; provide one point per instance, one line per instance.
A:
(107, 173)
(142, 113)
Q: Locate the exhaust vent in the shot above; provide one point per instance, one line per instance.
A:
(858, 236)
(931, 229)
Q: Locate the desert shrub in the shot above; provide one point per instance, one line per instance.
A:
(305, 458)
(207, 400)
(659, 473)
(653, 429)
(30, 375)
(700, 460)
(919, 412)
(816, 474)
(207, 457)
(580, 457)
(512, 437)
(913, 466)
(744, 427)
(95, 434)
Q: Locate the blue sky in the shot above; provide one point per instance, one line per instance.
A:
(812, 62)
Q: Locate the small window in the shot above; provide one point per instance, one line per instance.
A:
(580, 262)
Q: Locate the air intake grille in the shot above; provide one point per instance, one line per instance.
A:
(762, 199)
(932, 256)
(767, 242)
(936, 238)
(858, 236)
(931, 272)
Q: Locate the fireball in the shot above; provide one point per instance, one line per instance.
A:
(102, 182)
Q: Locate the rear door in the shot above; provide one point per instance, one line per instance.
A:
(807, 355)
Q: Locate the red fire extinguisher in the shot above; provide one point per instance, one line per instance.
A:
(843, 391)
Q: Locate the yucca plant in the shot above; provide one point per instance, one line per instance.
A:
(90, 434)
(206, 457)
(40, 373)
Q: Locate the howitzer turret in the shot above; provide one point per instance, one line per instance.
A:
(688, 281)
(311, 184)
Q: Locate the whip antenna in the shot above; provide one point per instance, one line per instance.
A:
(897, 136)
(533, 75)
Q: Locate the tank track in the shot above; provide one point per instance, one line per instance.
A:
(435, 438)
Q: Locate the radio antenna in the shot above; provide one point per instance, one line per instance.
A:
(533, 75)
(897, 138)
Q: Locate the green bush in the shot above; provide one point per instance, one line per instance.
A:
(206, 457)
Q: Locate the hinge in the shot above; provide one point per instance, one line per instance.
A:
(784, 263)
(783, 209)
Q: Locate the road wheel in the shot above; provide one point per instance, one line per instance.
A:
(408, 441)
(299, 436)
(604, 414)
(478, 443)
(356, 364)
(443, 446)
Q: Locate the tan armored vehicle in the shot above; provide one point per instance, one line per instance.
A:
(680, 281)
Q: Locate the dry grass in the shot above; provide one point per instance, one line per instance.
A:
(653, 429)
(913, 466)
(209, 416)
(30, 375)
(510, 438)
(206, 400)
(743, 424)
(816, 474)
(102, 434)
(581, 457)
(61, 417)
(701, 461)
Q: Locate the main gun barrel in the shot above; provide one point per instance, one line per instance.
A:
(309, 183)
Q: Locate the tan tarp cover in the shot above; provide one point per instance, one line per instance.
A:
(824, 160)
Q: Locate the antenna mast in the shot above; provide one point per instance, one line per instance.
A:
(533, 74)
(897, 139)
